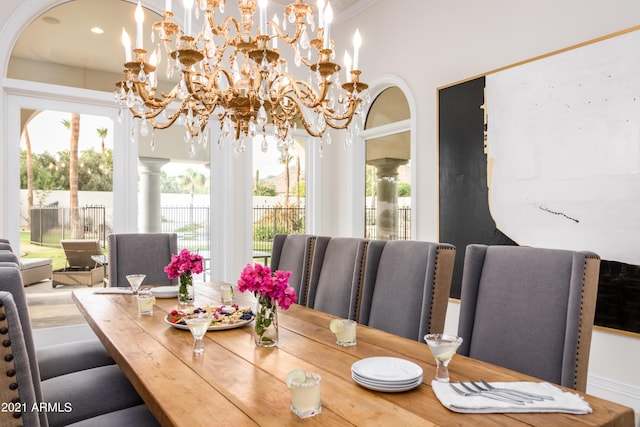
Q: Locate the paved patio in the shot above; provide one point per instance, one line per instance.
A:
(52, 307)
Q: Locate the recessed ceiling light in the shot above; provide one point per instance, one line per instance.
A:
(97, 30)
(51, 20)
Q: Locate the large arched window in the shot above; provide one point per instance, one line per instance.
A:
(388, 167)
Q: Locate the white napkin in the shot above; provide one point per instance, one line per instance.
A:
(571, 403)
(113, 291)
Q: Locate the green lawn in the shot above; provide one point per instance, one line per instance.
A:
(29, 250)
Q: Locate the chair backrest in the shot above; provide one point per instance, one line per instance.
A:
(406, 287)
(530, 310)
(79, 252)
(293, 252)
(337, 271)
(11, 282)
(16, 381)
(141, 253)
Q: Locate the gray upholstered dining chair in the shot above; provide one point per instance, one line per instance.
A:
(98, 393)
(406, 287)
(57, 359)
(336, 277)
(530, 310)
(141, 253)
(293, 252)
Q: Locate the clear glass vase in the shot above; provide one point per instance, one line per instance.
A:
(266, 322)
(185, 294)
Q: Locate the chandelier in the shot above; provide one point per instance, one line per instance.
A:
(231, 70)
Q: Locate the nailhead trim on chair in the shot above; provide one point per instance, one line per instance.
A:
(8, 383)
(311, 249)
(363, 262)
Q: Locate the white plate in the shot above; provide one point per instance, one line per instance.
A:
(387, 369)
(387, 389)
(220, 327)
(385, 383)
(165, 291)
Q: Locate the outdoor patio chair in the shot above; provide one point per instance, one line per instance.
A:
(81, 269)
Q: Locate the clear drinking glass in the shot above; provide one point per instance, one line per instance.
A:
(443, 348)
(345, 331)
(146, 300)
(305, 393)
(198, 323)
(135, 280)
(226, 293)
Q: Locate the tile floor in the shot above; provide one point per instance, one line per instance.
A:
(50, 307)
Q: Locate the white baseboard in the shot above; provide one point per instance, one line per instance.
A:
(614, 391)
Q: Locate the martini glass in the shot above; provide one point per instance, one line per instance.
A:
(198, 323)
(443, 348)
(135, 280)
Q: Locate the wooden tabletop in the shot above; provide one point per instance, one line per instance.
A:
(237, 383)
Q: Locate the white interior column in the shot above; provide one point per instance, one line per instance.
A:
(149, 214)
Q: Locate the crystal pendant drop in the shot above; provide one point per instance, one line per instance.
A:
(304, 40)
(348, 140)
(321, 149)
(265, 145)
(298, 58)
(132, 134)
(152, 143)
(144, 128)
(262, 116)
(292, 17)
(192, 150)
(120, 113)
(252, 128)
(226, 131)
(205, 137)
(187, 137)
(221, 7)
(142, 76)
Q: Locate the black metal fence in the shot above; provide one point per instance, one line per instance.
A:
(404, 223)
(271, 220)
(191, 223)
(51, 224)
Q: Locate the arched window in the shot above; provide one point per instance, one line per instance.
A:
(388, 167)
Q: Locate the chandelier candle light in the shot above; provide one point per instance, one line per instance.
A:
(233, 71)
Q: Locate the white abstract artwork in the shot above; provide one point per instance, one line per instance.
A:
(564, 149)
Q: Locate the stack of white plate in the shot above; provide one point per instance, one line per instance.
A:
(165, 291)
(389, 374)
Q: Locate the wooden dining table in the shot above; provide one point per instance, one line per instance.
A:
(235, 383)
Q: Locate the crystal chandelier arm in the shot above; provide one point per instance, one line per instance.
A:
(285, 36)
(307, 96)
(290, 112)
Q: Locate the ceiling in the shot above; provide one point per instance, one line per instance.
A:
(62, 35)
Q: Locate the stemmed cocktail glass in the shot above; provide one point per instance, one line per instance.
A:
(135, 280)
(443, 348)
(198, 323)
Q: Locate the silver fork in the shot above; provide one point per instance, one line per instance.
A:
(482, 391)
(488, 395)
(516, 392)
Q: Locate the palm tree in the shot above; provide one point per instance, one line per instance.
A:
(102, 133)
(74, 216)
(285, 158)
(29, 159)
(191, 180)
